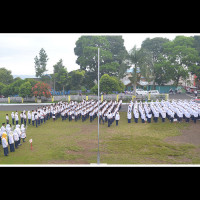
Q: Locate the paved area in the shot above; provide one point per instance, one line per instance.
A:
(19, 107)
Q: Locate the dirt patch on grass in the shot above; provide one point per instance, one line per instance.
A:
(87, 147)
(190, 135)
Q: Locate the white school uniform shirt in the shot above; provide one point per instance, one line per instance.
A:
(149, 115)
(24, 116)
(4, 143)
(23, 131)
(136, 114)
(187, 114)
(129, 115)
(117, 117)
(11, 138)
(15, 135)
(21, 115)
(16, 117)
(33, 116)
(12, 115)
(29, 115)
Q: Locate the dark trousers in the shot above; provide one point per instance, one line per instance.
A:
(108, 122)
(13, 121)
(129, 120)
(16, 144)
(117, 122)
(29, 121)
(12, 148)
(5, 151)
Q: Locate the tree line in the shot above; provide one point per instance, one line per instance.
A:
(158, 60)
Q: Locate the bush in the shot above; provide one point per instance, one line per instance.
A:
(25, 90)
(41, 89)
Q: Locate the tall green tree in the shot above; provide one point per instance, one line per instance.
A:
(135, 60)
(154, 51)
(40, 63)
(61, 75)
(112, 53)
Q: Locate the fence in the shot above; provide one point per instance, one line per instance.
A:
(123, 97)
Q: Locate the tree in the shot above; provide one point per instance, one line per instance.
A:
(153, 49)
(14, 87)
(25, 90)
(61, 74)
(40, 63)
(76, 78)
(182, 57)
(2, 86)
(134, 60)
(112, 53)
(109, 84)
(5, 76)
(41, 89)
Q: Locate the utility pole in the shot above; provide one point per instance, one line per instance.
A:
(98, 154)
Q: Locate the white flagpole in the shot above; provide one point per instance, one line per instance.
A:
(98, 155)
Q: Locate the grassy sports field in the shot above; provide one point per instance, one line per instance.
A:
(64, 142)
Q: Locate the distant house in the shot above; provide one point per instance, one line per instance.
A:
(149, 85)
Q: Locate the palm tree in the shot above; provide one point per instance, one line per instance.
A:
(134, 59)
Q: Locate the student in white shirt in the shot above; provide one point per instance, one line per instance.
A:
(7, 119)
(5, 143)
(117, 118)
(13, 118)
(11, 141)
(29, 118)
(129, 116)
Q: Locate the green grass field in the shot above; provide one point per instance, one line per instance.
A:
(77, 143)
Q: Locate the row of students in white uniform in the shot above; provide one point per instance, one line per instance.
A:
(89, 109)
(11, 136)
(71, 110)
(176, 109)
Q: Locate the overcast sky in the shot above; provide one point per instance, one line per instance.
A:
(17, 51)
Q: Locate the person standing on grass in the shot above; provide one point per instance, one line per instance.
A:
(117, 118)
(2, 130)
(109, 119)
(24, 117)
(16, 138)
(13, 118)
(33, 117)
(7, 119)
(11, 141)
(29, 118)
(16, 117)
(5, 143)
(19, 133)
(21, 117)
(129, 116)
(23, 132)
